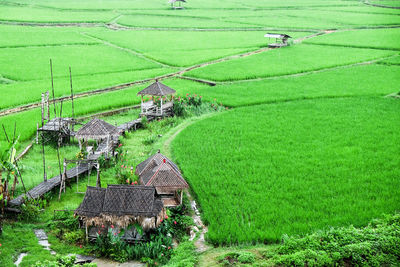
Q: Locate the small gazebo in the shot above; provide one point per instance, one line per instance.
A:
(280, 39)
(97, 130)
(173, 4)
(153, 108)
(160, 172)
(121, 206)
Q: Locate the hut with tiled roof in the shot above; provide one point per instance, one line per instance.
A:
(164, 175)
(157, 107)
(120, 206)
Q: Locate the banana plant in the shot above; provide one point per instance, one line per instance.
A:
(8, 171)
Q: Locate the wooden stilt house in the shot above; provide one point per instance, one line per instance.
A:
(164, 175)
(58, 128)
(120, 207)
(159, 105)
(105, 135)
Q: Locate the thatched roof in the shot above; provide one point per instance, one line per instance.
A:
(96, 129)
(161, 172)
(120, 200)
(157, 89)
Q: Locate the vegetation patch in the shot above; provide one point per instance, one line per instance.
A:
(319, 157)
(277, 62)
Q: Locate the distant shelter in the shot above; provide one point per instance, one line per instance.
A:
(280, 39)
(175, 2)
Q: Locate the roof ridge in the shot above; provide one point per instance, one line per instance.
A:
(154, 175)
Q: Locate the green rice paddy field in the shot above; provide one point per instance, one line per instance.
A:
(310, 139)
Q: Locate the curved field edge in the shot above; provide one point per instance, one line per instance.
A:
(304, 165)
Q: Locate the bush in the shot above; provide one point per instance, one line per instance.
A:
(373, 245)
(233, 258)
(66, 261)
(184, 255)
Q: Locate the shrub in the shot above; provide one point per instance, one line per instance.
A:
(233, 258)
(66, 261)
(373, 245)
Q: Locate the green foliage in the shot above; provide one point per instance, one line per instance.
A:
(110, 244)
(31, 208)
(373, 245)
(294, 168)
(62, 261)
(307, 58)
(233, 258)
(184, 255)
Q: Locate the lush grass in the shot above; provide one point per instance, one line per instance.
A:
(290, 60)
(31, 14)
(30, 91)
(391, 61)
(178, 22)
(18, 238)
(304, 165)
(19, 36)
(378, 38)
(177, 48)
(377, 80)
(32, 63)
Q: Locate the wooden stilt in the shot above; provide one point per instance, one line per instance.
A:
(98, 182)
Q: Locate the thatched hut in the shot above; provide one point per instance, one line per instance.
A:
(98, 130)
(164, 175)
(179, 6)
(120, 206)
(152, 108)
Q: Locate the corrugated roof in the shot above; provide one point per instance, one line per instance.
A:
(277, 35)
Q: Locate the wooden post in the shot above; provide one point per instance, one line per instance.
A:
(86, 232)
(141, 105)
(63, 178)
(181, 197)
(48, 104)
(37, 133)
(98, 182)
(161, 105)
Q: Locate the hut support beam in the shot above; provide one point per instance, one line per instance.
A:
(98, 182)
(180, 203)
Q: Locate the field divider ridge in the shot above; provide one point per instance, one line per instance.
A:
(128, 50)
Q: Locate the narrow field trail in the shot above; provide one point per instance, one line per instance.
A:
(131, 51)
(307, 72)
(200, 227)
(367, 2)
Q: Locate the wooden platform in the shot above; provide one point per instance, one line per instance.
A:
(47, 186)
(104, 148)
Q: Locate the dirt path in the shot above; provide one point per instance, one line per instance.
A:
(367, 2)
(307, 72)
(200, 228)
